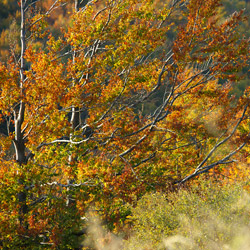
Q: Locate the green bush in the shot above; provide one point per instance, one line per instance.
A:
(203, 217)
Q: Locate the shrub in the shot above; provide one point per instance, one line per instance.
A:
(203, 217)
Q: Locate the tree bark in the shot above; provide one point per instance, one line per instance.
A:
(19, 142)
(75, 122)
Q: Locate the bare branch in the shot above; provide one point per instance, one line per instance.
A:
(52, 8)
(226, 160)
(133, 147)
(70, 184)
(31, 4)
(99, 12)
(223, 141)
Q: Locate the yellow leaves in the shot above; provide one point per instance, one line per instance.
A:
(38, 24)
(45, 85)
(55, 45)
(9, 92)
(5, 144)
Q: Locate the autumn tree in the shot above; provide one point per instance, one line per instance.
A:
(81, 138)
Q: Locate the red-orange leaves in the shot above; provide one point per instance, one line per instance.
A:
(204, 38)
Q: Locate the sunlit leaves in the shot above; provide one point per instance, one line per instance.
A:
(113, 59)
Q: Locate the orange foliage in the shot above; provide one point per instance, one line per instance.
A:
(110, 60)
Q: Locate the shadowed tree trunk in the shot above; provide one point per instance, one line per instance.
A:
(19, 141)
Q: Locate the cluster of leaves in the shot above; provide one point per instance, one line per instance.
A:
(71, 109)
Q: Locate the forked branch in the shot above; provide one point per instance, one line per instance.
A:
(226, 160)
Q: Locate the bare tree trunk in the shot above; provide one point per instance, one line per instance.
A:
(75, 122)
(76, 5)
(19, 113)
(19, 142)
